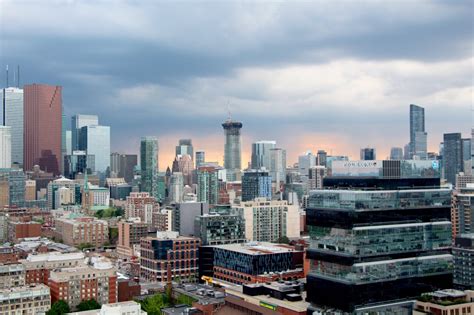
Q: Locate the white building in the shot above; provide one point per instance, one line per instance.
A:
(120, 308)
(5, 147)
(176, 187)
(14, 119)
(268, 220)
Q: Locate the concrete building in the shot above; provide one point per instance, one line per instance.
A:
(183, 216)
(120, 308)
(232, 149)
(169, 257)
(316, 176)
(83, 230)
(269, 220)
(38, 266)
(30, 190)
(12, 275)
(141, 205)
(97, 280)
(54, 200)
(149, 165)
(129, 234)
(27, 300)
(5, 147)
(42, 127)
(176, 187)
(463, 253)
(462, 211)
(11, 115)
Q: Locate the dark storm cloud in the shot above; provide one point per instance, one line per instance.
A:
(98, 50)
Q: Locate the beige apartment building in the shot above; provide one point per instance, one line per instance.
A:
(25, 300)
(85, 230)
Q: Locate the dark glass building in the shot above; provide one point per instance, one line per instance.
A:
(217, 229)
(377, 240)
(463, 252)
(256, 184)
(452, 156)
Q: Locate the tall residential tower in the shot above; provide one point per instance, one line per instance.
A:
(149, 164)
(232, 149)
(418, 135)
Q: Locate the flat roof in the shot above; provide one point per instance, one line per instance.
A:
(257, 248)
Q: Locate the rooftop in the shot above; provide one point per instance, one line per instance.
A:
(257, 248)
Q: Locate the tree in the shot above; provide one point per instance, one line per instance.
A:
(153, 305)
(283, 240)
(87, 305)
(84, 245)
(58, 308)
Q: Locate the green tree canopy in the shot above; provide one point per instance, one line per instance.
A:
(58, 308)
(153, 305)
(87, 305)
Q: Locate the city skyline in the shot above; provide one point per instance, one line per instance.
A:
(281, 69)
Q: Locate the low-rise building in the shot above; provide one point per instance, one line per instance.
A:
(217, 229)
(255, 262)
(38, 266)
(169, 256)
(445, 302)
(270, 299)
(12, 275)
(18, 230)
(27, 300)
(120, 308)
(97, 280)
(84, 230)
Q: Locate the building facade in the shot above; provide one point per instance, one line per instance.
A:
(269, 220)
(217, 229)
(84, 230)
(256, 184)
(149, 165)
(463, 253)
(232, 149)
(5, 147)
(452, 156)
(169, 257)
(27, 300)
(11, 115)
(418, 136)
(42, 127)
(373, 246)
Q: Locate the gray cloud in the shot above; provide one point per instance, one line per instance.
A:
(191, 59)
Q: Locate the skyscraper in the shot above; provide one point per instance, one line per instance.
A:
(207, 184)
(95, 140)
(232, 149)
(123, 165)
(77, 122)
(185, 146)
(200, 158)
(418, 135)
(5, 147)
(176, 187)
(11, 114)
(184, 165)
(43, 125)
(149, 164)
(396, 153)
(261, 154)
(452, 156)
(322, 158)
(368, 154)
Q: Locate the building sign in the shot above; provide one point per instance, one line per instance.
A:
(268, 305)
(357, 168)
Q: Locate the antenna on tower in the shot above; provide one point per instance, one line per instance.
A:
(229, 116)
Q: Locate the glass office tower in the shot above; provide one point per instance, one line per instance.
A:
(369, 247)
(11, 114)
(418, 135)
(261, 157)
(95, 140)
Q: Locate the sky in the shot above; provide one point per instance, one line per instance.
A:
(332, 75)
